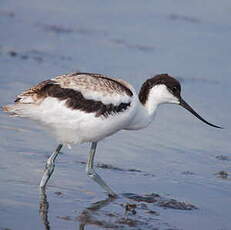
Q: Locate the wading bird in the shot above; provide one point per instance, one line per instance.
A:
(87, 107)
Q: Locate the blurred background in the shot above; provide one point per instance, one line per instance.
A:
(177, 156)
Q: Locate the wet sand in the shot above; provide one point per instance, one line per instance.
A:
(175, 174)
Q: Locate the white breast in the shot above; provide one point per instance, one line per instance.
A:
(74, 126)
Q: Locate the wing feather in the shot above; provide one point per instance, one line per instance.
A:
(97, 87)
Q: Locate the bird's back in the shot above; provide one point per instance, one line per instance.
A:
(80, 101)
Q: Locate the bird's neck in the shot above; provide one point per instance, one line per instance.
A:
(147, 104)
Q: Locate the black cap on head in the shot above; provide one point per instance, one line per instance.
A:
(174, 88)
(161, 79)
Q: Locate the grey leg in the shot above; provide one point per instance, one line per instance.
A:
(50, 166)
(91, 172)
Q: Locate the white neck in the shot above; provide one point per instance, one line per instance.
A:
(145, 113)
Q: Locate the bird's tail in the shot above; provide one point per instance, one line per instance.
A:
(21, 110)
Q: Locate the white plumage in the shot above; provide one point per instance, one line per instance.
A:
(85, 107)
(73, 126)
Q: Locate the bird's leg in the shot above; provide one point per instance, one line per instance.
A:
(50, 166)
(92, 174)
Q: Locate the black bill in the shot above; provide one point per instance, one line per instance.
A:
(190, 109)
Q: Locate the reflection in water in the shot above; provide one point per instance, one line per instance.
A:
(137, 211)
(43, 209)
(84, 218)
(86, 215)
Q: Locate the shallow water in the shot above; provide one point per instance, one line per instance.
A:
(177, 157)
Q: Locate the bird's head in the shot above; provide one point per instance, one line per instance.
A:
(166, 89)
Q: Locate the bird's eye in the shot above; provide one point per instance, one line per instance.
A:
(174, 89)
